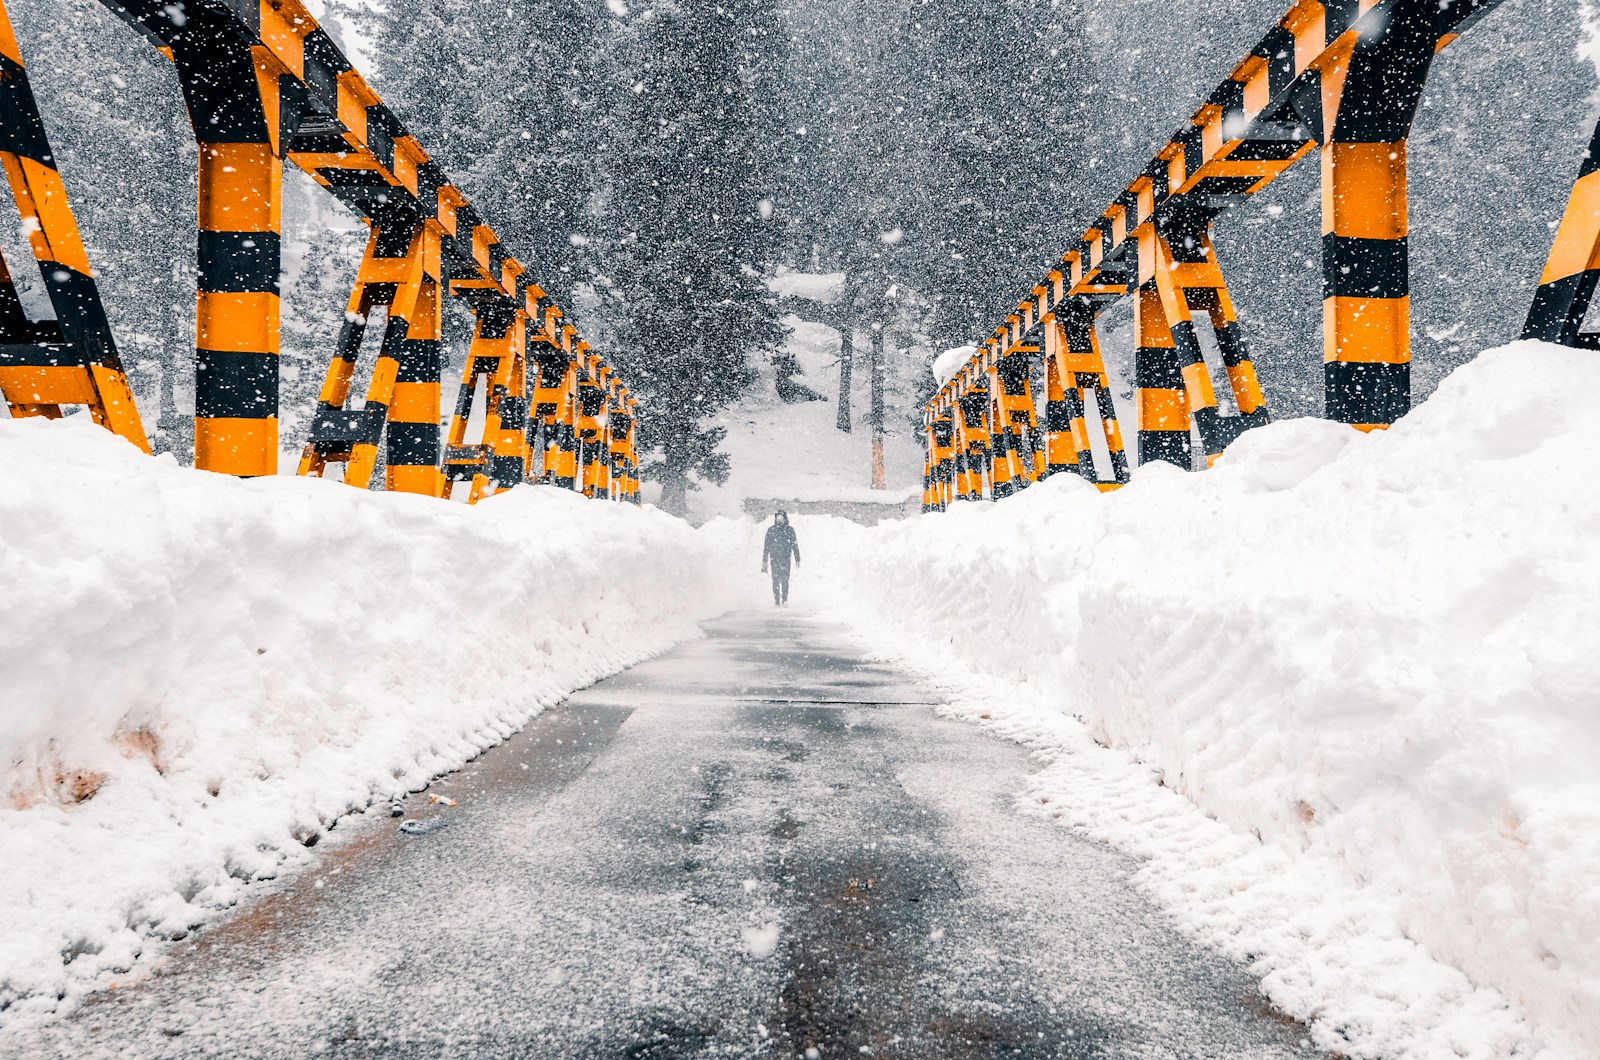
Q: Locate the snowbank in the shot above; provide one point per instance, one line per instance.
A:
(201, 674)
(1378, 653)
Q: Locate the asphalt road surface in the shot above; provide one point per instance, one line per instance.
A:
(759, 844)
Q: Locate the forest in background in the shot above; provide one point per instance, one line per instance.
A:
(656, 163)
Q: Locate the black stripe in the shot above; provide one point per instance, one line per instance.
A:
(1265, 150)
(1170, 446)
(1277, 48)
(1231, 344)
(348, 346)
(1362, 392)
(246, 262)
(80, 315)
(1339, 14)
(21, 129)
(1159, 368)
(340, 429)
(233, 385)
(506, 470)
(41, 355)
(1213, 437)
(413, 444)
(1186, 342)
(1591, 157)
(1354, 267)
(416, 360)
(218, 78)
(513, 412)
(1559, 307)
(1388, 65)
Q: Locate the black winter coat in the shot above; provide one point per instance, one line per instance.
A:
(780, 545)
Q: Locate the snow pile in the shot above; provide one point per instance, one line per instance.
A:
(1378, 653)
(948, 363)
(202, 674)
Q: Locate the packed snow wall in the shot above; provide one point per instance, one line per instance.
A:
(1382, 650)
(201, 674)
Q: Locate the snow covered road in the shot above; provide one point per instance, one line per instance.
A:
(757, 844)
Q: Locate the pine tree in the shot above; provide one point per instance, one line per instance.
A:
(685, 299)
(502, 97)
(1001, 172)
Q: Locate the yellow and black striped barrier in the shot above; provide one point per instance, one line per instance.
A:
(264, 83)
(1342, 78)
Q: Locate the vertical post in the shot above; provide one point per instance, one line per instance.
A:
(335, 433)
(1013, 421)
(508, 444)
(242, 124)
(1061, 395)
(941, 451)
(1201, 396)
(1085, 369)
(1158, 377)
(412, 342)
(561, 458)
(999, 464)
(591, 407)
(1205, 289)
(631, 483)
(875, 405)
(1572, 271)
(1369, 99)
(973, 408)
(495, 356)
(236, 309)
(847, 354)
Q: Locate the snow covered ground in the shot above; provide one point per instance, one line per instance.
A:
(1350, 685)
(1342, 691)
(202, 674)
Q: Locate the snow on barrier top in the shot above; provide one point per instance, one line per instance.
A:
(262, 82)
(1344, 76)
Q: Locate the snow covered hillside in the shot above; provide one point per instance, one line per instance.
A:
(1380, 654)
(202, 674)
(796, 452)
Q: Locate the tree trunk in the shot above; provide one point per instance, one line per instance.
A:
(875, 406)
(674, 482)
(675, 493)
(847, 354)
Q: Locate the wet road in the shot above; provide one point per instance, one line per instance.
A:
(758, 844)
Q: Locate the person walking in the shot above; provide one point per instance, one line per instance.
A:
(775, 553)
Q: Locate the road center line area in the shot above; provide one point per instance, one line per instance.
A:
(758, 844)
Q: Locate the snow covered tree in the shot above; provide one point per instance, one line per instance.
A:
(687, 242)
(502, 96)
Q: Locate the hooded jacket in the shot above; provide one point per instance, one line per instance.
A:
(780, 546)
